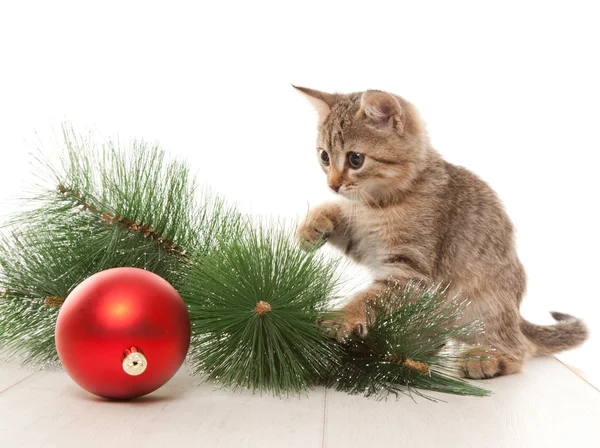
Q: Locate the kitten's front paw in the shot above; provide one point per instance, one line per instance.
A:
(315, 231)
(341, 330)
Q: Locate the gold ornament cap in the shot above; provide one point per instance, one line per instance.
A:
(134, 361)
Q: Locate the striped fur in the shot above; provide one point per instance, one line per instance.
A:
(407, 214)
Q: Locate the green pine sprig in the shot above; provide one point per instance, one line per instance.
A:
(414, 342)
(139, 187)
(253, 306)
(108, 206)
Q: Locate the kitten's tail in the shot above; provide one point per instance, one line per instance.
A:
(568, 332)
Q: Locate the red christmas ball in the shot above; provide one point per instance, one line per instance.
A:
(122, 333)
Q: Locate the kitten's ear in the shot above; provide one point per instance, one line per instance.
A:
(383, 111)
(322, 102)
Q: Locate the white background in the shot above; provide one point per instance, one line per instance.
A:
(510, 91)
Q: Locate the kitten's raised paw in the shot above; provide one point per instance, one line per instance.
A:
(341, 330)
(315, 231)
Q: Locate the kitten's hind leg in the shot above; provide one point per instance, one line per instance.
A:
(503, 351)
(487, 362)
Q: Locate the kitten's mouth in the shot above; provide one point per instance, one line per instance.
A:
(349, 192)
(353, 193)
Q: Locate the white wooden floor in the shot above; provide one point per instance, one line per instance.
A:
(546, 406)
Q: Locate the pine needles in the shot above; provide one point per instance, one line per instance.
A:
(137, 187)
(414, 339)
(110, 206)
(253, 305)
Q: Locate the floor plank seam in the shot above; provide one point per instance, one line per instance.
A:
(18, 382)
(578, 375)
(324, 418)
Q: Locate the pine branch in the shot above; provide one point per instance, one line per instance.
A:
(253, 305)
(413, 343)
(109, 207)
(141, 188)
(110, 219)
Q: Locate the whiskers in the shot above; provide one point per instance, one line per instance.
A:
(363, 198)
(368, 199)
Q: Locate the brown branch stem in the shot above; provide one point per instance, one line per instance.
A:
(109, 218)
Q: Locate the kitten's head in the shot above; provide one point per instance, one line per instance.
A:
(371, 144)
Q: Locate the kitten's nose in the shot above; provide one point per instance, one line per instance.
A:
(335, 188)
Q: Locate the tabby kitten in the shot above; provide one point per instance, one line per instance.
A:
(409, 215)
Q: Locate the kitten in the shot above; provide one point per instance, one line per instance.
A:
(410, 215)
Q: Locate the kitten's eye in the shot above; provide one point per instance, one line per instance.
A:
(324, 157)
(356, 159)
